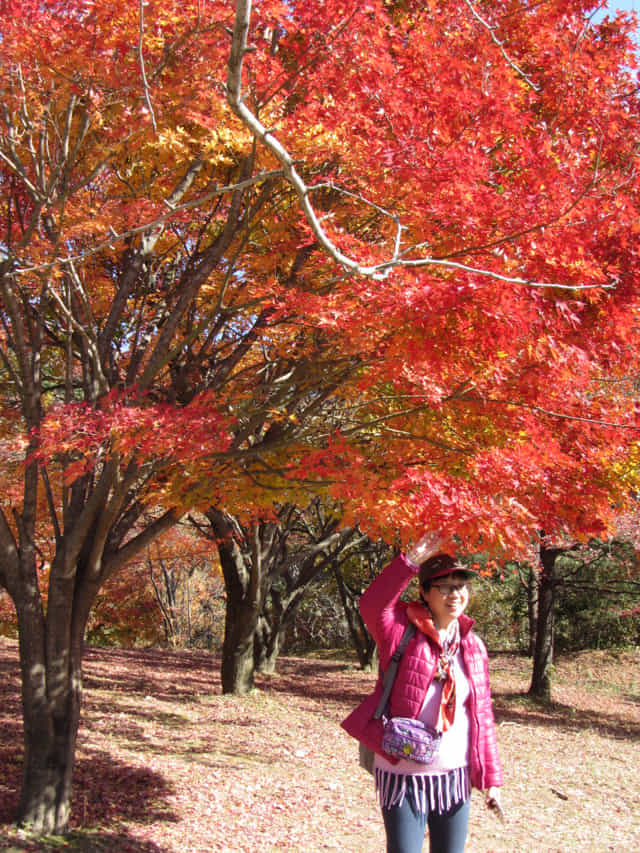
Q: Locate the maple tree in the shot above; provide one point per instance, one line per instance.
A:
(353, 254)
(267, 565)
(502, 384)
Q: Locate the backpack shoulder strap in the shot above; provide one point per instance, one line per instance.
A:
(392, 669)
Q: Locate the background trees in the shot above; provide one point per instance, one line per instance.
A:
(363, 258)
(172, 594)
(583, 596)
(267, 566)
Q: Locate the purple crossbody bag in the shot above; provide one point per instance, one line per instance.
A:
(403, 737)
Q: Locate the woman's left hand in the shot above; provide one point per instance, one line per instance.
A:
(492, 801)
(492, 794)
(428, 545)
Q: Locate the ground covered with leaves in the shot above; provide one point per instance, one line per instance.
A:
(167, 764)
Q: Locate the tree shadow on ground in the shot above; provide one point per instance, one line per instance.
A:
(106, 792)
(527, 711)
(322, 680)
(151, 671)
(79, 842)
(319, 680)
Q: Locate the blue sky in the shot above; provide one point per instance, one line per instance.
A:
(625, 4)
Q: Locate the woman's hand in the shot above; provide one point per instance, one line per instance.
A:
(429, 544)
(492, 801)
(492, 794)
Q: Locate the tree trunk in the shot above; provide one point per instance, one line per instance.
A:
(252, 561)
(267, 643)
(243, 584)
(51, 700)
(532, 609)
(362, 640)
(238, 667)
(273, 626)
(51, 646)
(543, 653)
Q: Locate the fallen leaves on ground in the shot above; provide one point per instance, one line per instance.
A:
(167, 764)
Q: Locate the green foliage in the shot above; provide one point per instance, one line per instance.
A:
(596, 600)
(597, 603)
(319, 622)
(322, 620)
(499, 608)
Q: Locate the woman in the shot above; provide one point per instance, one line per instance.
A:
(442, 680)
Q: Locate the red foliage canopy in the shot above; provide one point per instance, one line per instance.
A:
(461, 237)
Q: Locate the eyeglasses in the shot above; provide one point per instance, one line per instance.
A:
(449, 588)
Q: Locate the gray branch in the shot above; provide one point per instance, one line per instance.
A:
(239, 48)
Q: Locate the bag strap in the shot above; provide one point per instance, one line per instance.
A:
(390, 675)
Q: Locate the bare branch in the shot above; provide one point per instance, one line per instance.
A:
(552, 414)
(82, 329)
(421, 262)
(147, 94)
(16, 166)
(133, 546)
(490, 29)
(378, 271)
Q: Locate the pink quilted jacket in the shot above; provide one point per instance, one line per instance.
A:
(385, 616)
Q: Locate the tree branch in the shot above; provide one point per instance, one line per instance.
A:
(147, 94)
(115, 561)
(239, 48)
(552, 414)
(116, 237)
(500, 44)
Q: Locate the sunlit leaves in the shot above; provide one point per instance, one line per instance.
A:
(444, 391)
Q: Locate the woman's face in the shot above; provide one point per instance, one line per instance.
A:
(447, 598)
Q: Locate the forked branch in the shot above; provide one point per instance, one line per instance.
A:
(239, 48)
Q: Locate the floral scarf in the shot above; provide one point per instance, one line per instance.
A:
(448, 643)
